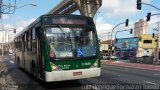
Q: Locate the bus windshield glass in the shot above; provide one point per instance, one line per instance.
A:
(71, 42)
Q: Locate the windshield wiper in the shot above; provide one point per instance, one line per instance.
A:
(60, 27)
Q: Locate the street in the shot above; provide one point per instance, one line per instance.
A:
(66, 42)
(13, 78)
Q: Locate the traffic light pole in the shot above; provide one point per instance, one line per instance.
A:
(139, 2)
(112, 33)
(0, 8)
(151, 5)
(131, 30)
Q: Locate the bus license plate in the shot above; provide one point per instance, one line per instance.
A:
(77, 73)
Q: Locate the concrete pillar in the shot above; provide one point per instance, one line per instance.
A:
(88, 7)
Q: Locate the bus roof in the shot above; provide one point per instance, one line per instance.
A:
(36, 23)
(29, 26)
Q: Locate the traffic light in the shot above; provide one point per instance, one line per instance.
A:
(131, 31)
(127, 21)
(14, 31)
(148, 16)
(139, 4)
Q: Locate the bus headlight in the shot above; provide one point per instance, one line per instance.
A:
(95, 64)
(54, 67)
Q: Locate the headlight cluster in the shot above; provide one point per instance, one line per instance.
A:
(95, 64)
(54, 67)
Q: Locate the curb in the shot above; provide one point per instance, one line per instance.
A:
(137, 65)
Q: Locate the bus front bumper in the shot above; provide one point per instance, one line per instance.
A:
(72, 74)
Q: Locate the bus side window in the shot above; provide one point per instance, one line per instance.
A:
(18, 43)
(29, 46)
(20, 40)
(23, 42)
(33, 40)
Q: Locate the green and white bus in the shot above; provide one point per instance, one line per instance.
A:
(59, 47)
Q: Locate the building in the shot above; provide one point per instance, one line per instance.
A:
(4, 40)
(104, 48)
(136, 49)
(140, 28)
(4, 37)
(125, 48)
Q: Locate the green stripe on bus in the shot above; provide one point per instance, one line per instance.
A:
(74, 64)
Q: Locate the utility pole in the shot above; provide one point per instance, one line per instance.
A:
(0, 8)
(1, 12)
(8, 9)
(1, 3)
(126, 24)
(157, 51)
(108, 43)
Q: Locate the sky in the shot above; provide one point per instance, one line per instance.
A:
(111, 13)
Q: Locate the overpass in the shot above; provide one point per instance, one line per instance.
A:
(85, 7)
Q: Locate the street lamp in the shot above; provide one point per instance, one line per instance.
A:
(4, 40)
(10, 13)
(31, 4)
(126, 24)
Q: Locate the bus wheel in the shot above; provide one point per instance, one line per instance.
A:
(33, 67)
(18, 62)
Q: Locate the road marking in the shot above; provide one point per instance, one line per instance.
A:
(149, 82)
(11, 62)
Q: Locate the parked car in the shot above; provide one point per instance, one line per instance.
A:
(108, 57)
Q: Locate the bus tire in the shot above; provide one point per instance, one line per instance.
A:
(18, 62)
(33, 67)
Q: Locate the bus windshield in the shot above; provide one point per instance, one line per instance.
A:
(71, 42)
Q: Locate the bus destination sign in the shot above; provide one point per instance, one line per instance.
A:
(50, 21)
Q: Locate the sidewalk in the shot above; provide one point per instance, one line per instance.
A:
(132, 65)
